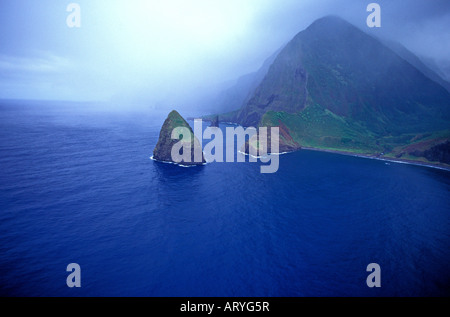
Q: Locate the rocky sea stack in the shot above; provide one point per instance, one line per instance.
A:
(215, 122)
(163, 149)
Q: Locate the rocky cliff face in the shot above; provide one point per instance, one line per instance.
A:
(285, 142)
(335, 87)
(215, 122)
(437, 153)
(163, 149)
(353, 75)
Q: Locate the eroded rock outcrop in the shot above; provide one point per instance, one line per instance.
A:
(263, 145)
(215, 122)
(163, 149)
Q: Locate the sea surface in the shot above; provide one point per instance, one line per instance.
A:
(77, 185)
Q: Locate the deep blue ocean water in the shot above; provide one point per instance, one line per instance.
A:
(77, 186)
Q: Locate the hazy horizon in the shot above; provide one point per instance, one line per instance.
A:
(160, 54)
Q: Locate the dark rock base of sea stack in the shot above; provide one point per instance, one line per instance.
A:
(215, 122)
(163, 149)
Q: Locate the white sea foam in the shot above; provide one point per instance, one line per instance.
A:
(258, 157)
(173, 163)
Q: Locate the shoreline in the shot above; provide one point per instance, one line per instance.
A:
(385, 159)
(440, 166)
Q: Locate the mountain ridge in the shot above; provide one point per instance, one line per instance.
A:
(335, 87)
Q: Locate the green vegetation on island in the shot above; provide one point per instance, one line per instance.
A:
(163, 149)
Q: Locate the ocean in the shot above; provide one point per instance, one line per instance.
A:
(77, 185)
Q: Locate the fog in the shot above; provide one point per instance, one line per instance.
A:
(168, 54)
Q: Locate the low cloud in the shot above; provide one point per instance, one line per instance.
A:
(41, 63)
(168, 52)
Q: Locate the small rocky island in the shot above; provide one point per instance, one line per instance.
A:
(163, 149)
(285, 143)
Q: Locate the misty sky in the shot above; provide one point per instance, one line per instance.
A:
(162, 51)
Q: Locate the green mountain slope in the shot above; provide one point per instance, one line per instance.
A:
(335, 87)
